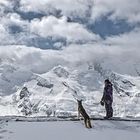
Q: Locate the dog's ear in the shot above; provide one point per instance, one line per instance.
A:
(79, 101)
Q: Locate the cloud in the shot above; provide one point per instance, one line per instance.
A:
(77, 8)
(12, 28)
(4, 2)
(50, 30)
(52, 26)
(119, 9)
(118, 58)
(2, 31)
(127, 40)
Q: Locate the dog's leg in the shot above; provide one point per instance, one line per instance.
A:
(89, 124)
(78, 114)
(85, 122)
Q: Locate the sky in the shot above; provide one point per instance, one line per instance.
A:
(83, 29)
(54, 24)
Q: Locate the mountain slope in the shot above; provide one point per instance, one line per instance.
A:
(43, 74)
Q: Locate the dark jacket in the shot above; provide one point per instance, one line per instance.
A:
(108, 93)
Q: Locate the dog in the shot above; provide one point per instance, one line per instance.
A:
(82, 111)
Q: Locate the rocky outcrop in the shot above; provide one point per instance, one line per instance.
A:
(61, 72)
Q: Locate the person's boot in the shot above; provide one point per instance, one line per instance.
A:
(106, 117)
(110, 115)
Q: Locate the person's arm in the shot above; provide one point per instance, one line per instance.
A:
(103, 97)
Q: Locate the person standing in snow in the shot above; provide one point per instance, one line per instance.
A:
(107, 99)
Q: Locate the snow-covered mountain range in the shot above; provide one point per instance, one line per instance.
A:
(31, 82)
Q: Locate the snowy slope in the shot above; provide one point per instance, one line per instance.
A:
(102, 130)
(43, 73)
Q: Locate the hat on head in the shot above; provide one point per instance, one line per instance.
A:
(107, 81)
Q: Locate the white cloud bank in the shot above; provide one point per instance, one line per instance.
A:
(74, 32)
(119, 58)
(126, 9)
(127, 40)
(52, 26)
(68, 7)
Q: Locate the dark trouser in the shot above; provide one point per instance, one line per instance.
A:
(109, 109)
